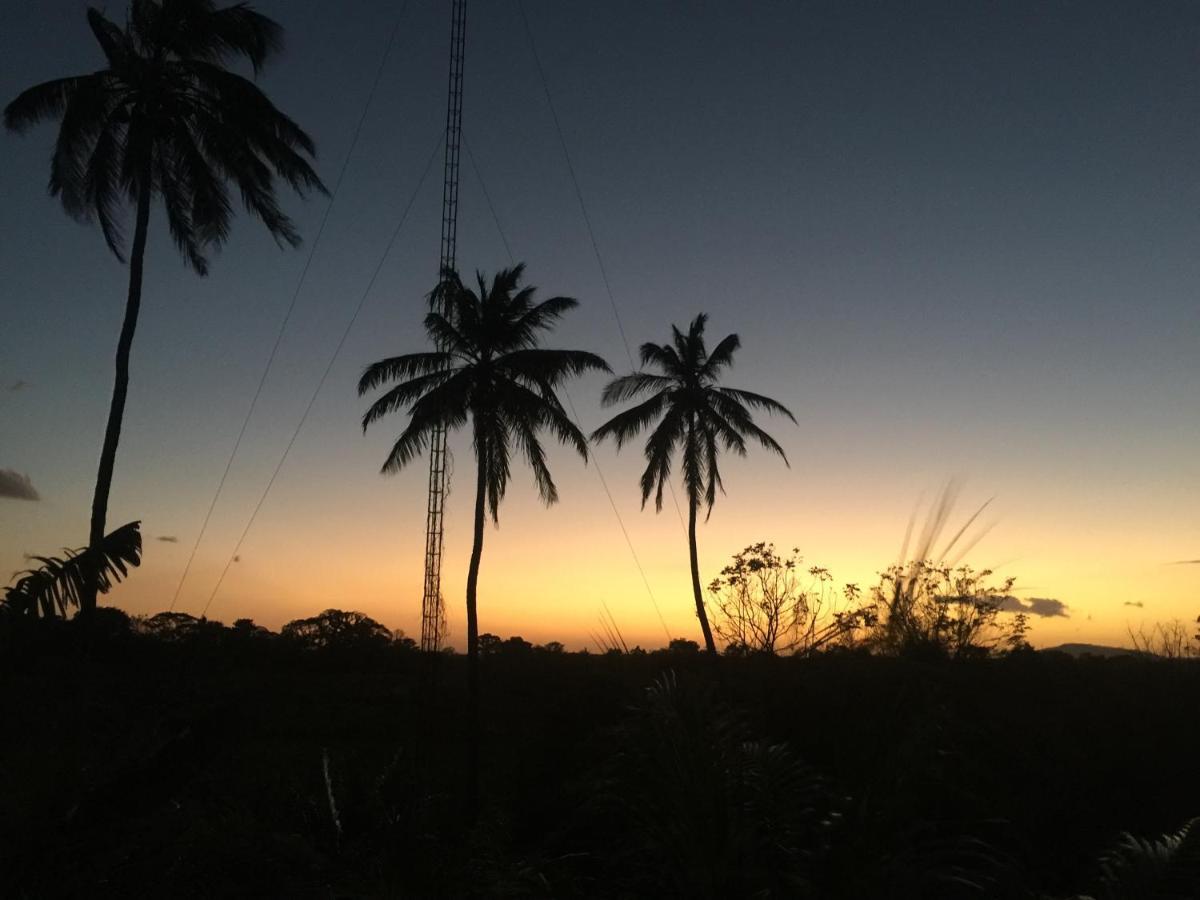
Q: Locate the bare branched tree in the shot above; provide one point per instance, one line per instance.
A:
(1167, 640)
(766, 603)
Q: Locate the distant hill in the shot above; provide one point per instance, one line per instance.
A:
(1089, 650)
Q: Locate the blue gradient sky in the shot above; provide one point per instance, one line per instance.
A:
(957, 239)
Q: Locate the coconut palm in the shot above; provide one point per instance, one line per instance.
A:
(165, 119)
(696, 416)
(489, 373)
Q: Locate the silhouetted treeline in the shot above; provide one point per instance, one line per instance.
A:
(177, 757)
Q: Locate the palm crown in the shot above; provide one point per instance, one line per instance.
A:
(166, 116)
(695, 414)
(488, 370)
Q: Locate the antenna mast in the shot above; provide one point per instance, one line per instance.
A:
(432, 609)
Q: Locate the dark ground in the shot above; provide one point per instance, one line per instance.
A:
(138, 767)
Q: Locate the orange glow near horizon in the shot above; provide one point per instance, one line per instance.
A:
(547, 574)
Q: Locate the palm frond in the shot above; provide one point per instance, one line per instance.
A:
(740, 419)
(541, 409)
(1167, 867)
(112, 40)
(659, 448)
(537, 318)
(412, 441)
(536, 457)
(626, 387)
(661, 355)
(404, 394)
(721, 356)
(57, 585)
(757, 401)
(628, 424)
(41, 102)
(445, 405)
(86, 115)
(549, 366)
(394, 368)
(236, 30)
(102, 189)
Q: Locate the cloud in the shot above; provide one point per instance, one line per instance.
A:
(1186, 562)
(1035, 606)
(167, 539)
(16, 486)
(1138, 603)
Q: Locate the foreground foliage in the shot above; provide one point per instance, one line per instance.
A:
(224, 761)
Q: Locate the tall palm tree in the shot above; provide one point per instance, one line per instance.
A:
(165, 119)
(488, 372)
(696, 416)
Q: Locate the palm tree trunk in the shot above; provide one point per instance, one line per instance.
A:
(709, 645)
(473, 646)
(116, 409)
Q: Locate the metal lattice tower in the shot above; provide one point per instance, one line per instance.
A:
(432, 609)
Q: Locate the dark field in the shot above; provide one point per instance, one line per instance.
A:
(138, 767)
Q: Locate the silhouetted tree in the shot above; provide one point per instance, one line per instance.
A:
(489, 372)
(337, 629)
(403, 641)
(165, 119)
(1167, 640)
(246, 631)
(179, 627)
(763, 604)
(936, 605)
(516, 645)
(488, 644)
(929, 609)
(696, 416)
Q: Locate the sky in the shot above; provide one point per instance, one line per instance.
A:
(957, 240)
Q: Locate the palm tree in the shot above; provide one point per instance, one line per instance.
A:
(696, 416)
(164, 118)
(490, 373)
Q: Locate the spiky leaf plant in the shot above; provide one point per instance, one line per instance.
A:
(59, 583)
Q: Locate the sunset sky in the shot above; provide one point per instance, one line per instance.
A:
(958, 240)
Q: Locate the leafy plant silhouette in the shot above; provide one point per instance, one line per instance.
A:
(706, 810)
(932, 604)
(61, 582)
(1147, 869)
(696, 416)
(762, 604)
(165, 119)
(490, 373)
